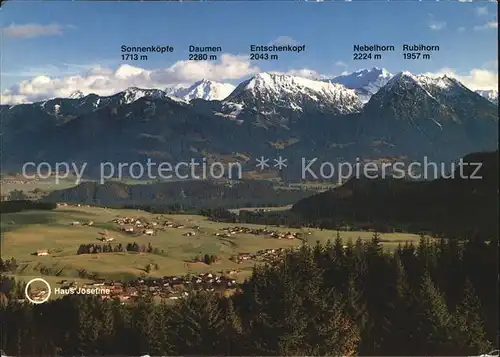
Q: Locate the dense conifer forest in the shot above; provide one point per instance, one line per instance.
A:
(25, 205)
(342, 298)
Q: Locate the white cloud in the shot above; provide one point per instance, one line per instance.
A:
(34, 30)
(477, 78)
(486, 26)
(106, 81)
(304, 72)
(341, 64)
(437, 25)
(283, 41)
(461, 29)
(482, 11)
(51, 70)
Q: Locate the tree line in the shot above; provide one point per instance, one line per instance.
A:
(24, 205)
(207, 258)
(93, 248)
(340, 298)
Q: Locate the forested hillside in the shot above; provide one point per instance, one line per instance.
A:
(453, 207)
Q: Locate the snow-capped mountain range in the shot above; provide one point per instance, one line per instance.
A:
(279, 99)
(346, 91)
(406, 115)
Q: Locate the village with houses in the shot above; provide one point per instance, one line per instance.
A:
(167, 287)
(170, 287)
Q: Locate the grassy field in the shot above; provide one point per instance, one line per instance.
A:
(26, 232)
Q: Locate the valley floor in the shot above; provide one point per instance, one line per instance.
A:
(177, 240)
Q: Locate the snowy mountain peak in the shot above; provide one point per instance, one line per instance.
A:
(373, 72)
(204, 81)
(365, 82)
(203, 89)
(383, 72)
(260, 80)
(76, 95)
(132, 94)
(294, 93)
(444, 84)
(275, 82)
(403, 80)
(405, 75)
(439, 82)
(408, 96)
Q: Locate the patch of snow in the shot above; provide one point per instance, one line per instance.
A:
(76, 95)
(235, 108)
(443, 83)
(230, 110)
(178, 100)
(172, 90)
(293, 92)
(437, 123)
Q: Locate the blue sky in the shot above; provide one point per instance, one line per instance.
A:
(61, 39)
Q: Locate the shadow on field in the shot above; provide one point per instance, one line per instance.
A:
(13, 221)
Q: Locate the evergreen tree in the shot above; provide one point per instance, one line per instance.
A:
(158, 343)
(89, 326)
(106, 335)
(198, 325)
(233, 330)
(143, 325)
(468, 324)
(435, 324)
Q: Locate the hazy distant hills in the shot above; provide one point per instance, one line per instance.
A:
(268, 114)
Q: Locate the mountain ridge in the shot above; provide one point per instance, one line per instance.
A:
(409, 116)
(365, 82)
